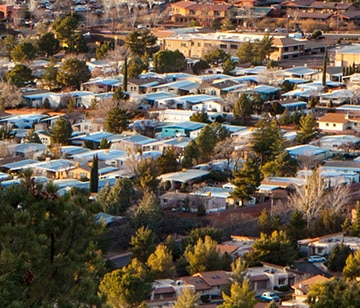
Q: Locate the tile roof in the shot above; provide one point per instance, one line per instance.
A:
(304, 285)
(334, 118)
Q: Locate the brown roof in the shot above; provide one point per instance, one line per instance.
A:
(342, 164)
(183, 4)
(334, 118)
(286, 41)
(314, 15)
(165, 290)
(330, 5)
(196, 281)
(222, 248)
(304, 285)
(214, 278)
(210, 7)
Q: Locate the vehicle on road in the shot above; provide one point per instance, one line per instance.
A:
(270, 296)
(314, 259)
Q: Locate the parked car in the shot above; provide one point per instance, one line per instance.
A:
(313, 259)
(270, 296)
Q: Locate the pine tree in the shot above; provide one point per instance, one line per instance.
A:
(241, 296)
(125, 75)
(307, 129)
(94, 175)
(246, 180)
(203, 257)
(143, 243)
(188, 298)
(160, 263)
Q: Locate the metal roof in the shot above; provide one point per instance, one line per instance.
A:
(184, 176)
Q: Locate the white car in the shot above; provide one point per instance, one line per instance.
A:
(314, 259)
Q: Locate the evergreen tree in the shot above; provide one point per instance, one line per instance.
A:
(48, 238)
(187, 299)
(351, 270)
(246, 180)
(337, 257)
(149, 213)
(191, 154)
(203, 257)
(296, 229)
(126, 287)
(355, 226)
(239, 269)
(323, 80)
(275, 248)
(117, 120)
(168, 161)
(143, 243)
(61, 131)
(146, 175)
(201, 117)
(267, 139)
(160, 263)
(118, 198)
(241, 296)
(334, 293)
(307, 129)
(94, 175)
(243, 107)
(125, 75)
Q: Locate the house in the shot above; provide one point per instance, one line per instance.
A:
(204, 13)
(286, 48)
(185, 177)
(141, 85)
(302, 288)
(180, 87)
(26, 150)
(132, 143)
(334, 122)
(177, 201)
(165, 292)
(269, 277)
(188, 129)
(210, 282)
(54, 169)
(94, 139)
(26, 121)
(14, 165)
(336, 97)
(308, 152)
(339, 142)
(323, 245)
(347, 55)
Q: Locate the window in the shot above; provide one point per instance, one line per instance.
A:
(183, 44)
(192, 12)
(223, 46)
(286, 48)
(282, 281)
(327, 124)
(296, 47)
(216, 13)
(199, 44)
(334, 125)
(232, 46)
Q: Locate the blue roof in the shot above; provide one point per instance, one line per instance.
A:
(186, 125)
(105, 154)
(56, 164)
(72, 150)
(199, 98)
(19, 164)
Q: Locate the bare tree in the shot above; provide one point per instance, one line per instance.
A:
(10, 95)
(315, 196)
